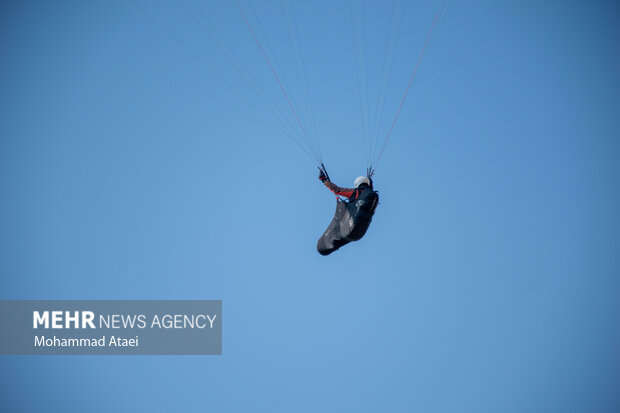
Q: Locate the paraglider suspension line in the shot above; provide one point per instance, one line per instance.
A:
(415, 70)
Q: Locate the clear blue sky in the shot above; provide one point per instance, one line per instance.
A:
(488, 281)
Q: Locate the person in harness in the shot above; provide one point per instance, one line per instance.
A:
(353, 216)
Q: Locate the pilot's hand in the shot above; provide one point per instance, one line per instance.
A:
(322, 175)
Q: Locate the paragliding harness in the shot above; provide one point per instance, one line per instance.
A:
(351, 219)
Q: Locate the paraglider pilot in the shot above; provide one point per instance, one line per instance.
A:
(353, 216)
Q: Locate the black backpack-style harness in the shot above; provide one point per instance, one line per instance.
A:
(351, 220)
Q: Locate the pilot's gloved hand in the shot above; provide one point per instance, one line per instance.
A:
(322, 175)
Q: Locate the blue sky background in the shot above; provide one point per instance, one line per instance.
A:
(487, 282)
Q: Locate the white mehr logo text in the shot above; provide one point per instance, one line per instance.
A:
(63, 319)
